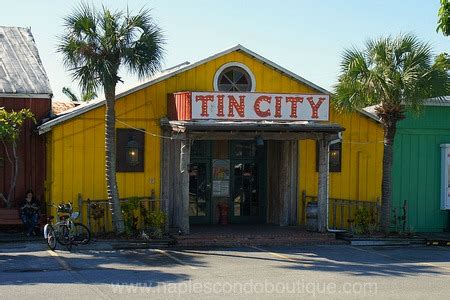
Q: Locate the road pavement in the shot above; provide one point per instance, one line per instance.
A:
(339, 271)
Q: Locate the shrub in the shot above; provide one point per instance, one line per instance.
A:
(155, 221)
(128, 207)
(365, 222)
(97, 211)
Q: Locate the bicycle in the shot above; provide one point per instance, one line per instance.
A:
(65, 231)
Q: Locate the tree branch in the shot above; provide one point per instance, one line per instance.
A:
(7, 152)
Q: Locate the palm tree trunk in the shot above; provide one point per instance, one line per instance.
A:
(386, 184)
(110, 149)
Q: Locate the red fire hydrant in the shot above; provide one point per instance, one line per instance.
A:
(223, 213)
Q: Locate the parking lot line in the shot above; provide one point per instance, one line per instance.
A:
(60, 260)
(175, 259)
(77, 276)
(402, 260)
(278, 255)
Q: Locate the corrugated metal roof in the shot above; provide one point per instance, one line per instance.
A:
(21, 69)
(438, 101)
(370, 112)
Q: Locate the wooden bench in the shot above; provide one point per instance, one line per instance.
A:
(10, 217)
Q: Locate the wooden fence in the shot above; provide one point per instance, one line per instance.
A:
(341, 212)
(96, 213)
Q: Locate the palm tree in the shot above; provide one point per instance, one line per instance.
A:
(395, 74)
(95, 45)
(85, 96)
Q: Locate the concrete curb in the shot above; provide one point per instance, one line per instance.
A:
(433, 242)
(379, 243)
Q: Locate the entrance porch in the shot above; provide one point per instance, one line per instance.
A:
(251, 167)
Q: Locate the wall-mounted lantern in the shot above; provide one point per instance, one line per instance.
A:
(132, 150)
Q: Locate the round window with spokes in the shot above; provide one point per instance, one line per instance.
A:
(234, 79)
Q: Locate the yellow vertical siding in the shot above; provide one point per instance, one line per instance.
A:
(362, 153)
(77, 155)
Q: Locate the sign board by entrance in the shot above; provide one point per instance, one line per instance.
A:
(445, 177)
(259, 106)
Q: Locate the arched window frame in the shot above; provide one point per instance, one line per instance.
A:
(234, 64)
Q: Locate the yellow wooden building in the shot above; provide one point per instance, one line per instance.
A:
(243, 165)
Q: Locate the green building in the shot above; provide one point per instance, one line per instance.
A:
(418, 168)
(421, 171)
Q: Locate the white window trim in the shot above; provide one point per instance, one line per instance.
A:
(234, 64)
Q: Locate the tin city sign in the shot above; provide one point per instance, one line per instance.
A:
(260, 106)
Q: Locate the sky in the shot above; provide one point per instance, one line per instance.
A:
(306, 37)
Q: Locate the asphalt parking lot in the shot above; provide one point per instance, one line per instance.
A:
(339, 271)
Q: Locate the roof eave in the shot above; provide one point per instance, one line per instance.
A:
(238, 47)
(368, 114)
(27, 95)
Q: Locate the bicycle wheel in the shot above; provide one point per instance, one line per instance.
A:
(51, 238)
(81, 234)
(64, 235)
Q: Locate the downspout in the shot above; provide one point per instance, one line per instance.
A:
(339, 139)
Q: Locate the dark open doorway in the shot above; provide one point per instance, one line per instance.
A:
(231, 173)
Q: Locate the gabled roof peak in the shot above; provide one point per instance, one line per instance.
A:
(21, 69)
(167, 73)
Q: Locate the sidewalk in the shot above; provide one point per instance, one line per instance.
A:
(235, 235)
(203, 236)
(11, 238)
(18, 236)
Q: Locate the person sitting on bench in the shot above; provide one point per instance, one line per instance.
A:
(29, 212)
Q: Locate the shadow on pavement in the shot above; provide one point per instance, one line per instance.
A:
(19, 266)
(372, 261)
(356, 261)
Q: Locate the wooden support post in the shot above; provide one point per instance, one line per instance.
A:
(166, 178)
(284, 183)
(293, 214)
(323, 184)
(185, 155)
(273, 181)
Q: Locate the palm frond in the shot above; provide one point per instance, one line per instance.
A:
(88, 95)
(392, 72)
(68, 92)
(143, 52)
(97, 42)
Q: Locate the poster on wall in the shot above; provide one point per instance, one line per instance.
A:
(221, 177)
(221, 169)
(221, 188)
